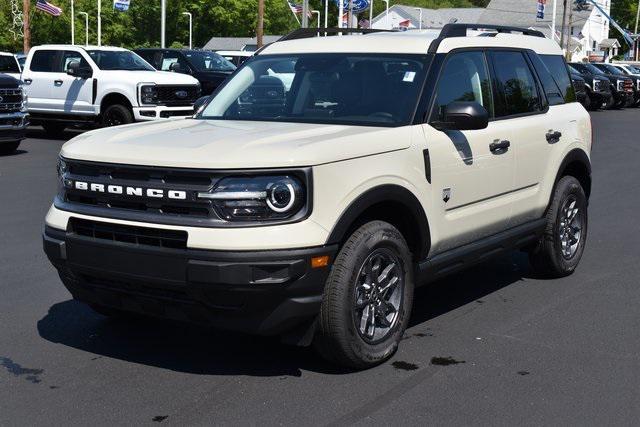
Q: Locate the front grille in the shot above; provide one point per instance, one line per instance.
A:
(138, 288)
(172, 95)
(11, 100)
(123, 176)
(143, 236)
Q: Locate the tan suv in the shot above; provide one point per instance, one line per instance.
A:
(327, 179)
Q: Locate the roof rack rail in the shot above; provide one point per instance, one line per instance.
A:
(303, 33)
(460, 30)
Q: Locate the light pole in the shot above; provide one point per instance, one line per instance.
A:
(370, 13)
(73, 26)
(86, 27)
(190, 28)
(99, 24)
(326, 14)
(387, 14)
(317, 13)
(419, 9)
(163, 19)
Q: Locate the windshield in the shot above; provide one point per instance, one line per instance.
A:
(589, 68)
(611, 69)
(119, 60)
(354, 89)
(209, 61)
(8, 64)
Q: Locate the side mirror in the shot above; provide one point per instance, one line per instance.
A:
(176, 68)
(74, 69)
(463, 116)
(200, 103)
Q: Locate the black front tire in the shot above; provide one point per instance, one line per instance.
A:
(338, 339)
(550, 258)
(9, 147)
(54, 129)
(116, 115)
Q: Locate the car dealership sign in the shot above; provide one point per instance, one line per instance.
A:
(358, 5)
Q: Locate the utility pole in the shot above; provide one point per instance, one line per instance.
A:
(260, 29)
(569, 31)
(26, 29)
(305, 13)
(635, 33)
(564, 23)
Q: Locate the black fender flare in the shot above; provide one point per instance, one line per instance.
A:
(381, 194)
(576, 155)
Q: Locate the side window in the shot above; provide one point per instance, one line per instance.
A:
(8, 64)
(464, 77)
(555, 96)
(69, 56)
(169, 58)
(515, 88)
(45, 61)
(558, 69)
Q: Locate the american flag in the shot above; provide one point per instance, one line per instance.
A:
(297, 8)
(49, 8)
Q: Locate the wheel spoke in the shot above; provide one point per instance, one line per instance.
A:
(385, 273)
(371, 322)
(392, 283)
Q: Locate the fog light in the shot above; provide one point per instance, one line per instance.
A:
(320, 261)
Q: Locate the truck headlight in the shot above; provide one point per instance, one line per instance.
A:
(148, 94)
(257, 198)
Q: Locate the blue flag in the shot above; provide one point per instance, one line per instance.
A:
(121, 5)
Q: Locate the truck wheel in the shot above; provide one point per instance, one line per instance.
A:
(587, 104)
(9, 147)
(53, 129)
(115, 115)
(560, 248)
(367, 298)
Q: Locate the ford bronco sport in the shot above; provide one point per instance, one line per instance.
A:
(312, 210)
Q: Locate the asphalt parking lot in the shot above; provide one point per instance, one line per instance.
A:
(513, 349)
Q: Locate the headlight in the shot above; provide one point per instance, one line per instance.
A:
(62, 168)
(25, 98)
(261, 198)
(148, 94)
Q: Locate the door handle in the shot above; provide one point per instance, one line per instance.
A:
(58, 82)
(553, 137)
(499, 147)
(28, 81)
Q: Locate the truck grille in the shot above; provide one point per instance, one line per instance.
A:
(123, 204)
(11, 100)
(178, 95)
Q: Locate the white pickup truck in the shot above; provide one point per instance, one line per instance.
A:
(107, 86)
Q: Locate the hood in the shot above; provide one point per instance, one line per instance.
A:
(225, 144)
(157, 77)
(8, 82)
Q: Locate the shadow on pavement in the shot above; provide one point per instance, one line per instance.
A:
(40, 133)
(14, 153)
(200, 350)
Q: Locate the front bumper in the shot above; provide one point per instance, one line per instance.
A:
(158, 112)
(261, 292)
(13, 126)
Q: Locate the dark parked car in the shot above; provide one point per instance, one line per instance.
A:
(13, 114)
(621, 87)
(610, 69)
(597, 89)
(580, 88)
(209, 68)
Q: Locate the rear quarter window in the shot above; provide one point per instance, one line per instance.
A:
(560, 73)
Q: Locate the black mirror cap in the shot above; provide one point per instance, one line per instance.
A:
(176, 68)
(73, 68)
(463, 116)
(200, 103)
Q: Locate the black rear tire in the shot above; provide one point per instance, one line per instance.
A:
(9, 147)
(116, 115)
(54, 129)
(340, 336)
(556, 256)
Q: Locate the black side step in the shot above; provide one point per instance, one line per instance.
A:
(465, 256)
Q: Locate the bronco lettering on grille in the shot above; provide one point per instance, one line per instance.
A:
(155, 193)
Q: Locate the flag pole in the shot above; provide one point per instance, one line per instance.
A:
(99, 24)
(73, 27)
